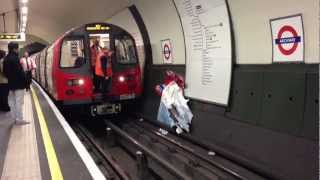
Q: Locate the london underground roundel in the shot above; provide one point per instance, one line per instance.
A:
(287, 39)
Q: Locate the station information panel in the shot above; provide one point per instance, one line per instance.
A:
(207, 32)
(8, 37)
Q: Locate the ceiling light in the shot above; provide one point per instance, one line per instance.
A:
(24, 18)
(23, 30)
(24, 10)
(24, 1)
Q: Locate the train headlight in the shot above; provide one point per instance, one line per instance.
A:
(75, 82)
(81, 82)
(121, 78)
(69, 83)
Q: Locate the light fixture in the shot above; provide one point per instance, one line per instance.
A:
(24, 10)
(24, 18)
(121, 79)
(24, 25)
(23, 15)
(80, 81)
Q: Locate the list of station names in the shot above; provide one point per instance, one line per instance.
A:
(204, 36)
(208, 48)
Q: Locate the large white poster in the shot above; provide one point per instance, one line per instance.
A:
(207, 34)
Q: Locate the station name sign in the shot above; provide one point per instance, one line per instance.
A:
(97, 27)
(8, 37)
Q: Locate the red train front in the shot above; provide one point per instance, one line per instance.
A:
(65, 68)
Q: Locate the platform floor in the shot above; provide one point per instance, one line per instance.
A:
(22, 159)
(47, 148)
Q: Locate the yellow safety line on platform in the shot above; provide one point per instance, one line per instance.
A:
(49, 148)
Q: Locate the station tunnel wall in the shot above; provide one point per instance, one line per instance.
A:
(272, 117)
(273, 112)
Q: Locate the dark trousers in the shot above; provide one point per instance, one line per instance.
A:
(96, 82)
(104, 86)
(4, 92)
(29, 79)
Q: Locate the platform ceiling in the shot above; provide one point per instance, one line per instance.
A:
(48, 19)
(9, 8)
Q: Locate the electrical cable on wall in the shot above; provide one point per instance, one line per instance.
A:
(4, 22)
(4, 18)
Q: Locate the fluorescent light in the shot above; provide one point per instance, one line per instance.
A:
(24, 1)
(24, 10)
(24, 18)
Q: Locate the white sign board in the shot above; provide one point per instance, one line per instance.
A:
(207, 34)
(166, 51)
(287, 39)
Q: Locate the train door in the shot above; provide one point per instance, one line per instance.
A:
(98, 41)
(42, 68)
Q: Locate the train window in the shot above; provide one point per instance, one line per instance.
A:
(103, 40)
(125, 50)
(49, 63)
(72, 53)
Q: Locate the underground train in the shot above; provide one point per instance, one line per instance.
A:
(64, 69)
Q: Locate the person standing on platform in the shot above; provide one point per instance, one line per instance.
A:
(95, 50)
(4, 90)
(103, 70)
(16, 81)
(27, 66)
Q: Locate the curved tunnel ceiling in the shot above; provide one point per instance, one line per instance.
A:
(9, 22)
(48, 19)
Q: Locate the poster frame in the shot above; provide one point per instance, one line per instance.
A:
(303, 31)
(233, 57)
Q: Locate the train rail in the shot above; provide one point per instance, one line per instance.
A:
(111, 169)
(181, 160)
(155, 153)
(208, 157)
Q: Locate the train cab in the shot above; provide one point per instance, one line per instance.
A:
(67, 68)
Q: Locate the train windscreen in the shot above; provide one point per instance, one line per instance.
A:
(72, 53)
(125, 50)
(103, 40)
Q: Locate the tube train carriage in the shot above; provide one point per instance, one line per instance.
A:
(64, 69)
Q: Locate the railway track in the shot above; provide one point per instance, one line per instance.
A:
(107, 164)
(208, 158)
(181, 160)
(154, 154)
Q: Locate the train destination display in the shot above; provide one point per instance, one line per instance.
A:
(207, 34)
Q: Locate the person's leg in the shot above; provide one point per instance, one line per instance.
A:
(2, 98)
(106, 85)
(12, 103)
(5, 97)
(100, 83)
(19, 107)
(96, 83)
(105, 88)
(19, 104)
(29, 82)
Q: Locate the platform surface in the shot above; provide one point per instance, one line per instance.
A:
(22, 159)
(47, 148)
